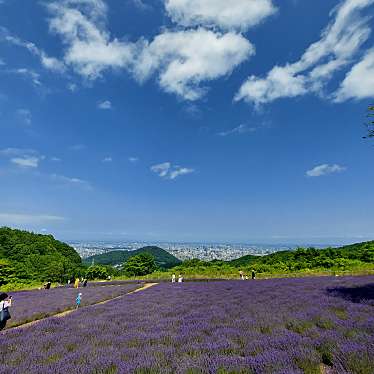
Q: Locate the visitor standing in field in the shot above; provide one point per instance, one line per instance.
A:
(173, 278)
(253, 274)
(241, 274)
(76, 283)
(78, 300)
(5, 303)
(180, 278)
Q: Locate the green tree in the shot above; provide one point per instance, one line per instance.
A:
(141, 264)
(97, 272)
(370, 123)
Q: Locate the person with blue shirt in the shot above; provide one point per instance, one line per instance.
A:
(78, 300)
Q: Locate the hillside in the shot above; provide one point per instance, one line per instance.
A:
(27, 256)
(311, 258)
(163, 258)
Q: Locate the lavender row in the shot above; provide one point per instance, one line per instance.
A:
(37, 304)
(279, 326)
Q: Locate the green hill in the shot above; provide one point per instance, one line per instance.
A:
(163, 258)
(25, 256)
(311, 258)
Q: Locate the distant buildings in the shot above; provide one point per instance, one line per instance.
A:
(183, 251)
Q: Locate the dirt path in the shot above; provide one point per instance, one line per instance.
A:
(63, 314)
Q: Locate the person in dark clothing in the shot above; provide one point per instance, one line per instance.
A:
(253, 274)
(85, 283)
(4, 313)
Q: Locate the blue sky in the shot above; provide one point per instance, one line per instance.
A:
(187, 120)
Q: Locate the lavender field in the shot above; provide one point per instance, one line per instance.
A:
(37, 304)
(284, 326)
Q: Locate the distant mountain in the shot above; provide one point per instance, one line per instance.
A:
(163, 258)
(25, 256)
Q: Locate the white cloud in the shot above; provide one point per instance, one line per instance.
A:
(178, 171)
(359, 82)
(26, 162)
(25, 116)
(133, 159)
(89, 47)
(339, 44)
(325, 169)
(72, 87)
(107, 159)
(55, 159)
(233, 14)
(25, 158)
(141, 4)
(16, 218)
(105, 105)
(161, 169)
(28, 73)
(168, 171)
(62, 179)
(241, 129)
(185, 59)
(48, 62)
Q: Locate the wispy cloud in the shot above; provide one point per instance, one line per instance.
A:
(48, 62)
(325, 169)
(141, 4)
(24, 158)
(62, 179)
(105, 105)
(72, 87)
(28, 74)
(241, 129)
(20, 218)
(359, 82)
(26, 162)
(77, 147)
(25, 116)
(168, 171)
(133, 159)
(107, 159)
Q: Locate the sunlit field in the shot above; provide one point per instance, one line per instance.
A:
(311, 325)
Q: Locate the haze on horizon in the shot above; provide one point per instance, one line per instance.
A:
(161, 121)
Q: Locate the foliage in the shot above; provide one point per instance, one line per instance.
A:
(370, 123)
(357, 258)
(164, 259)
(97, 272)
(25, 256)
(141, 264)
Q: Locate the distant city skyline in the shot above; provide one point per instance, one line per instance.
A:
(240, 122)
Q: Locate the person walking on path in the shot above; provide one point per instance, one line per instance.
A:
(180, 279)
(78, 300)
(76, 283)
(241, 274)
(4, 312)
(173, 278)
(253, 274)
